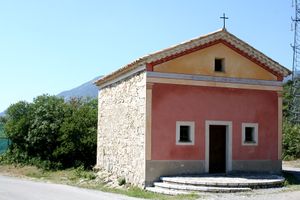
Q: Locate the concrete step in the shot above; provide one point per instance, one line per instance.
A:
(230, 182)
(193, 188)
(216, 184)
(166, 191)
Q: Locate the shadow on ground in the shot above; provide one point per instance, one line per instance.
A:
(292, 177)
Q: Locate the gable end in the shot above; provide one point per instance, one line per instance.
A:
(152, 64)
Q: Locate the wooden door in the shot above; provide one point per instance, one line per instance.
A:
(217, 149)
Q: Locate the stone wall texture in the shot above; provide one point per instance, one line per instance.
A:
(121, 129)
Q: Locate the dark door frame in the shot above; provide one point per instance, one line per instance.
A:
(217, 149)
(228, 125)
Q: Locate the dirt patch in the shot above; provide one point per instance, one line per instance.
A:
(292, 163)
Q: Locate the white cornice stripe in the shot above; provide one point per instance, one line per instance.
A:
(213, 79)
(123, 76)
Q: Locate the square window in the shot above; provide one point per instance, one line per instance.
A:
(250, 133)
(185, 133)
(219, 64)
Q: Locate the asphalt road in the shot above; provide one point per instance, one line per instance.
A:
(18, 189)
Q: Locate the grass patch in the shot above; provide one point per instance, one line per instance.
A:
(140, 193)
(38, 175)
(85, 179)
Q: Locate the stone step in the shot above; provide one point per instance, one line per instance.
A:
(193, 188)
(224, 181)
(218, 183)
(166, 191)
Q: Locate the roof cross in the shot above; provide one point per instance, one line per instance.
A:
(224, 20)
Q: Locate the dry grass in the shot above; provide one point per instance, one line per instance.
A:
(11, 170)
(84, 179)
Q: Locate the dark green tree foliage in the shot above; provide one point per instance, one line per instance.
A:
(78, 134)
(291, 141)
(291, 132)
(2, 122)
(52, 133)
(17, 125)
(47, 117)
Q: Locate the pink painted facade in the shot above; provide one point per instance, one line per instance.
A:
(171, 103)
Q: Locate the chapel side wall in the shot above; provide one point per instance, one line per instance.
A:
(121, 129)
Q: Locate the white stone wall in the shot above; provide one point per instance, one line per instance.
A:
(121, 129)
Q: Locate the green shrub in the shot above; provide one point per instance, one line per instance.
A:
(52, 134)
(291, 141)
(78, 135)
(121, 181)
(80, 172)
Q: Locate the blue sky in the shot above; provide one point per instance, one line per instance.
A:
(53, 45)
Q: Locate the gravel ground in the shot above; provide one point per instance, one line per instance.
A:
(263, 194)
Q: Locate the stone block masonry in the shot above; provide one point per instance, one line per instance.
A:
(121, 129)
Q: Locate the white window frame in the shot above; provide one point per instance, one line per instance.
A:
(252, 125)
(191, 124)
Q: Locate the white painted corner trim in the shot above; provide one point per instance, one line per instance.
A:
(228, 125)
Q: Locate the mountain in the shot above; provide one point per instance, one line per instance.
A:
(87, 89)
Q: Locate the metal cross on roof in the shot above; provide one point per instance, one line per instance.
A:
(224, 20)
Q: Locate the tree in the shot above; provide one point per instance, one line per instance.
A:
(78, 136)
(51, 133)
(47, 117)
(18, 117)
(291, 140)
(291, 132)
